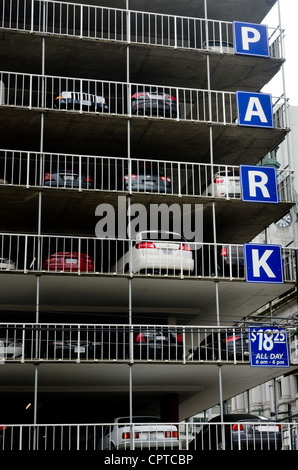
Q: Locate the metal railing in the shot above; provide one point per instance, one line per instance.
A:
(104, 173)
(103, 23)
(24, 342)
(115, 256)
(259, 434)
(77, 95)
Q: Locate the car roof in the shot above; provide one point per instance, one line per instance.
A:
(238, 417)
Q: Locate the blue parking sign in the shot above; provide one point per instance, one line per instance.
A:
(251, 39)
(254, 109)
(258, 184)
(263, 263)
(268, 347)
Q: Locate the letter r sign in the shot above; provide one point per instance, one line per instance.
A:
(258, 184)
(263, 263)
(251, 39)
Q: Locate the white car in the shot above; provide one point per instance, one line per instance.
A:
(74, 100)
(226, 183)
(157, 251)
(219, 46)
(145, 432)
(10, 349)
(7, 264)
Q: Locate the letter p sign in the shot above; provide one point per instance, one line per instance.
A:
(251, 39)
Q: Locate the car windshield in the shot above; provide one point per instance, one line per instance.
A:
(234, 172)
(139, 419)
(161, 235)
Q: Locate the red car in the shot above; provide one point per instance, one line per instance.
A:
(69, 262)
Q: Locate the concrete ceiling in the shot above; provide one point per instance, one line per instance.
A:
(189, 301)
(94, 384)
(103, 60)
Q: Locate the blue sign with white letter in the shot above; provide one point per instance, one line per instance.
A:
(268, 347)
(263, 263)
(251, 39)
(254, 109)
(258, 184)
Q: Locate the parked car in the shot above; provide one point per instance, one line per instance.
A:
(158, 343)
(230, 260)
(145, 432)
(240, 431)
(158, 252)
(67, 179)
(154, 101)
(73, 100)
(7, 264)
(10, 348)
(224, 345)
(148, 177)
(73, 349)
(69, 262)
(218, 46)
(225, 183)
(3, 181)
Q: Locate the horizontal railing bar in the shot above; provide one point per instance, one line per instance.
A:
(48, 342)
(106, 23)
(151, 433)
(106, 254)
(33, 91)
(106, 173)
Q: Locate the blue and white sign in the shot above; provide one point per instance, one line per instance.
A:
(263, 263)
(268, 347)
(254, 109)
(251, 39)
(258, 184)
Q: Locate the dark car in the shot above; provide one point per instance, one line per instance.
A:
(224, 345)
(230, 261)
(148, 177)
(67, 179)
(74, 349)
(67, 261)
(154, 101)
(158, 343)
(238, 432)
(71, 100)
(148, 343)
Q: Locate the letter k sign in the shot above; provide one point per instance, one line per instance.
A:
(254, 109)
(263, 263)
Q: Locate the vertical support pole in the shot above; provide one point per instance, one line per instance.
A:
(36, 365)
(129, 231)
(214, 217)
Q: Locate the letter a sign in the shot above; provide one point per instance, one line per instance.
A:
(254, 109)
(263, 263)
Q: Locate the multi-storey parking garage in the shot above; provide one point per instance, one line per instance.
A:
(110, 111)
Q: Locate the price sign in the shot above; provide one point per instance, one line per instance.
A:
(268, 347)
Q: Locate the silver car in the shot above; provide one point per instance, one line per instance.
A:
(7, 264)
(10, 349)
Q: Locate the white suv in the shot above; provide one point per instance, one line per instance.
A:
(145, 432)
